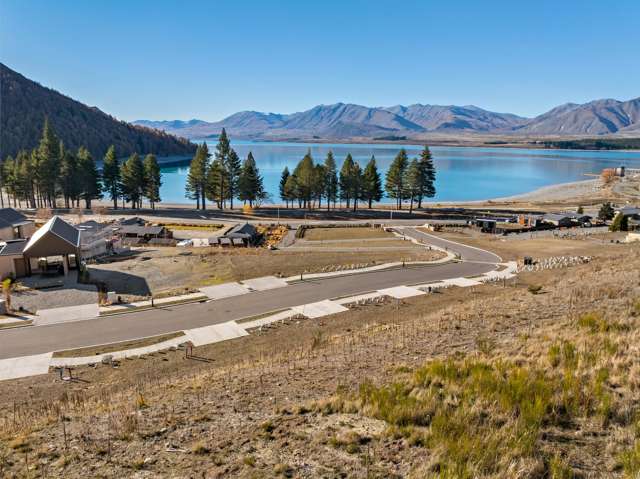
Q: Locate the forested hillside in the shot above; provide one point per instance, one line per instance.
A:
(24, 104)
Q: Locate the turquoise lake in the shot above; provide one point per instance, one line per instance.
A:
(463, 174)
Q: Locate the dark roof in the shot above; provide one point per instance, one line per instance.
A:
(138, 230)
(136, 220)
(14, 247)
(11, 217)
(244, 231)
(557, 216)
(629, 211)
(64, 230)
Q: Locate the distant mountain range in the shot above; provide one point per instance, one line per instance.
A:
(24, 104)
(342, 121)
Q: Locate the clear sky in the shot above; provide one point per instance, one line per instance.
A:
(165, 59)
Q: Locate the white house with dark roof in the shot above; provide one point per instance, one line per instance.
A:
(55, 239)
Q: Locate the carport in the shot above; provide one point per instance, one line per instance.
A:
(56, 238)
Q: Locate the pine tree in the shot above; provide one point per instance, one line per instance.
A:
(305, 176)
(282, 187)
(371, 182)
(111, 175)
(606, 212)
(356, 184)
(427, 176)
(291, 189)
(132, 174)
(233, 169)
(152, 180)
(48, 157)
(216, 183)
(89, 177)
(223, 150)
(394, 184)
(619, 223)
(69, 178)
(197, 177)
(331, 180)
(412, 182)
(250, 187)
(319, 183)
(346, 180)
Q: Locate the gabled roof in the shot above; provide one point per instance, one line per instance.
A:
(245, 231)
(13, 247)
(11, 217)
(55, 237)
(629, 211)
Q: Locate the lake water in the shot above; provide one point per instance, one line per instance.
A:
(463, 174)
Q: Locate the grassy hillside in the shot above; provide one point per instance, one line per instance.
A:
(24, 104)
(494, 382)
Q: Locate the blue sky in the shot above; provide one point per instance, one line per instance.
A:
(166, 59)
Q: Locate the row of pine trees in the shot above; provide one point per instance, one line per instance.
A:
(310, 182)
(226, 178)
(49, 172)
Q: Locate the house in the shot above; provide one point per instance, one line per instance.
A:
(54, 248)
(15, 225)
(12, 262)
(561, 220)
(141, 233)
(239, 235)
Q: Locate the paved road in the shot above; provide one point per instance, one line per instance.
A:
(467, 253)
(35, 340)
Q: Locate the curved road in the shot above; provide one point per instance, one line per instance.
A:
(55, 337)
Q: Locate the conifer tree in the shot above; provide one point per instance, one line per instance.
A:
(197, 177)
(305, 176)
(371, 183)
(413, 182)
(216, 183)
(89, 176)
(282, 187)
(233, 169)
(152, 180)
(331, 180)
(356, 184)
(111, 176)
(394, 184)
(48, 157)
(346, 180)
(132, 174)
(69, 178)
(223, 150)
(427, 176)
(291, 189)
(250, 187)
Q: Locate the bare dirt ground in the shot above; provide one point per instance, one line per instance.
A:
(159, 270)
(328, 234)
(333, 397)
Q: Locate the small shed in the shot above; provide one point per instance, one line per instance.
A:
(143, 232)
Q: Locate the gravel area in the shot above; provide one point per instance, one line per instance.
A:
(70, 293)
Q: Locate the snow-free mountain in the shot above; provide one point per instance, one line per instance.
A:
(343, 121)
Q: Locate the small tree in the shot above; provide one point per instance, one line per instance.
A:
(620, 223)
(371, 183)
(606, 212)
(394, 183)
(283, 183)
(580, 210)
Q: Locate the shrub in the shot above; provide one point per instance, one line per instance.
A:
(534, 288)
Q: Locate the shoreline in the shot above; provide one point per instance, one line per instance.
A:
(555, 192)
